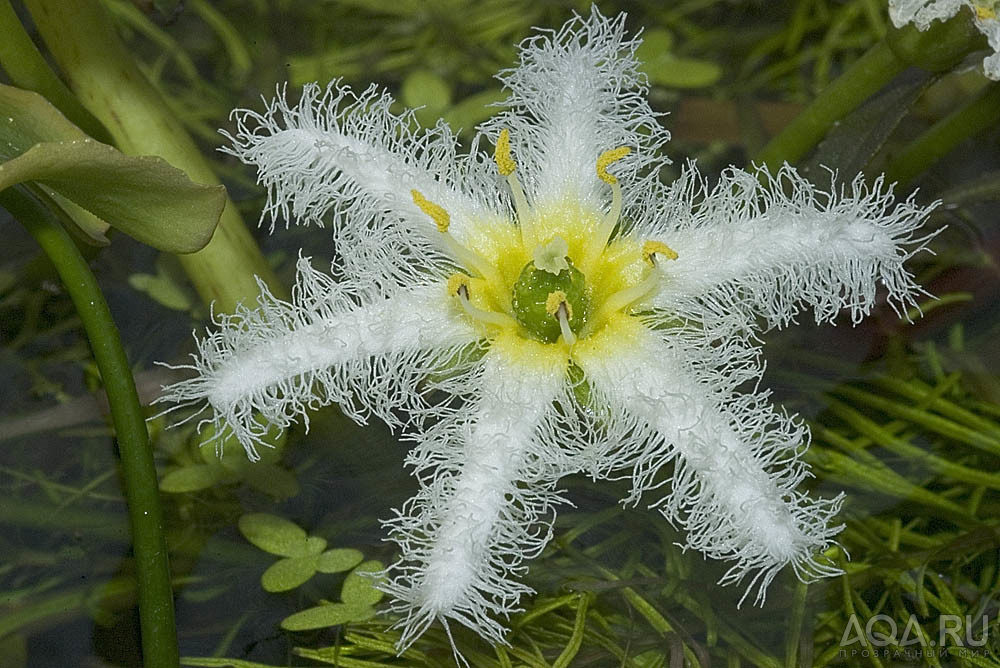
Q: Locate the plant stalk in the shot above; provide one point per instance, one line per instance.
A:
(156, 605)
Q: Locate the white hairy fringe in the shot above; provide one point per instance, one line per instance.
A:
(771, 245)
(736, 462)
(576, 93)
(334, 343)
(486, 502)
(343, 158)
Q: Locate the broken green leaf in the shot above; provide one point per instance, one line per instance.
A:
(143, 196)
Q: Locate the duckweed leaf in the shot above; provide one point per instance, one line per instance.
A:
(289, 573)
(666, 69)
(359, 589)
(162, 290)
(428, 93)
(337, 560)
(328, 614)
(189, 479)
(277, 535)
(143, 196)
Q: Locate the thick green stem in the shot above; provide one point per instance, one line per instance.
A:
(27, 69)
(83, 41)
(156, 606)
(938, 49)
(941, 138)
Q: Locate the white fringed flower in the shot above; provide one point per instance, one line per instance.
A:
(922, 12)
(550, 310)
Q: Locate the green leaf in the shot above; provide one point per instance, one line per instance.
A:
(656, 43)
(143, 196)
(276, 535)
(675, 72)
(328, 614)
(474, 109)
(666, 69)
(190, 479)
(358, 588)
(214, 662)
(288, 573)
(162, 290)
(429, 91)
(337, 560)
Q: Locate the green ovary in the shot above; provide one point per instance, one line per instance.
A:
(531, 292)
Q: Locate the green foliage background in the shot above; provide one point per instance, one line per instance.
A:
(906, 417)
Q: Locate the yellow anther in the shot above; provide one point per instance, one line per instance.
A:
(984, 13)
(456, 283)
(605, 160)
(435, 211)
(501, 154)
(557, 300)
(651, 248)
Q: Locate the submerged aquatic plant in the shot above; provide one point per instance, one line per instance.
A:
(922, 12)
(552, 310)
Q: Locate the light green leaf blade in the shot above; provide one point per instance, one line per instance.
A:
(143, 196)
(162, 290)
(189, 479)
(328, 614)
(359, 587)
(338, 560)
(428, 93)
(289, 573)
(275, 535)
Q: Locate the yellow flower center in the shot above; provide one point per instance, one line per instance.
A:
(559, 275)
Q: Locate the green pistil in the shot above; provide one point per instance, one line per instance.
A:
(531, 291)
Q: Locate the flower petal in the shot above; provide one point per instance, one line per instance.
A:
(486, 499)
(348, 155)
(736, 461)
(333, 343)
(747, 246)
(578, 92)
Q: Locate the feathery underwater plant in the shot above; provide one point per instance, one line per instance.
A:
(552, 310)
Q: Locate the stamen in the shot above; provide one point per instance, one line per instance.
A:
(458, 286)
(436, 212)
(606, 159)
(501, 154)
(558, 306)
(603, 235)
(651, 249)
(625, 298)
(506, 166)
(466, 257)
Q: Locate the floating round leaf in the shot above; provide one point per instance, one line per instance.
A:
(359, 586)
(288, 573)
(275, 535)
(337, 560)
